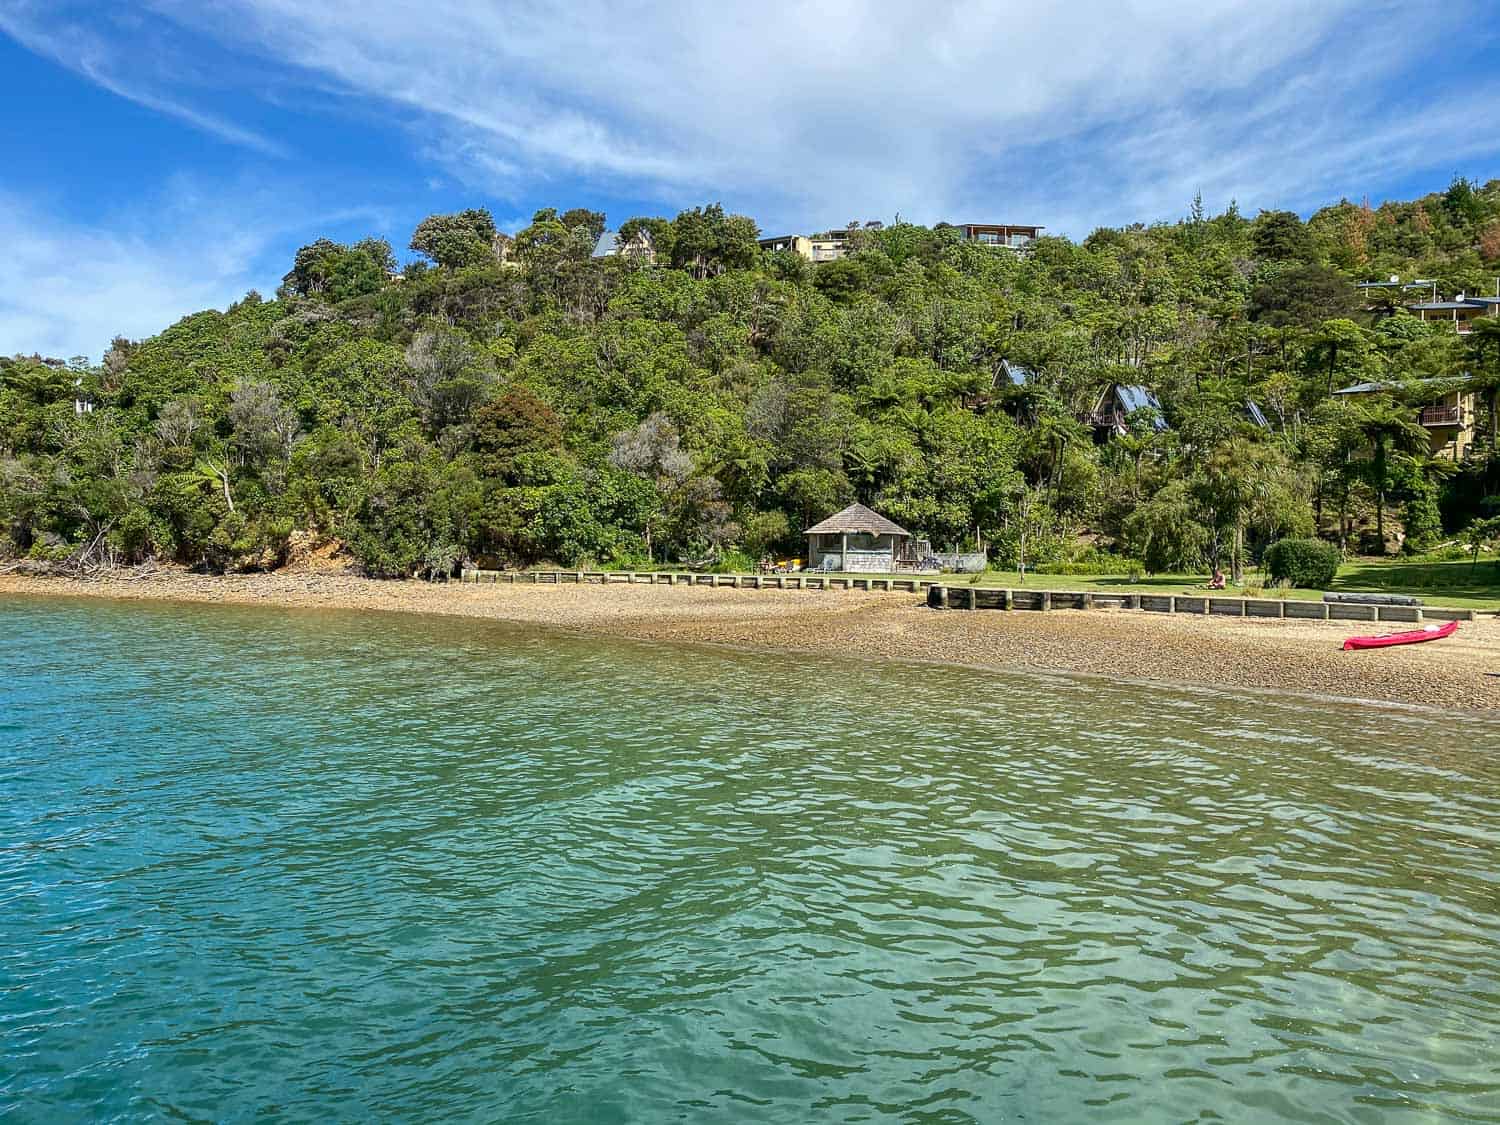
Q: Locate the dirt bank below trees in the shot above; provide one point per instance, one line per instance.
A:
(1226, 652)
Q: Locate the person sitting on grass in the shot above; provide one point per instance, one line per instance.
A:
(1217, 581)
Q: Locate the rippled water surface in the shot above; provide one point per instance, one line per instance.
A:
(338, 866)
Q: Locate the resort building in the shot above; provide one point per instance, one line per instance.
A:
(1111, 414)
(1447, 412)
(1012, 236)
(860, 540)
(610, 246)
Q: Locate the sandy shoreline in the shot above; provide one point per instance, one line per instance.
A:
(1301, 656)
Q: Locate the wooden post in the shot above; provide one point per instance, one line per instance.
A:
(1046, 599)
(1088, 599)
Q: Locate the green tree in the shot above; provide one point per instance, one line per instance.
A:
(1387, 428)
(466, 238)
(1483, 348)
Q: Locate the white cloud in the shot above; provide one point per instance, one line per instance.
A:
(801, 115)
(68, 289)
(78, 45)
(824, 112)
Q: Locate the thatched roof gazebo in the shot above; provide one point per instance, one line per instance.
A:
(857, 539)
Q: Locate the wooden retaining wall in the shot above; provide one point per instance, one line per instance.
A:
(801, 581)
(965, 596)
(1205, 605)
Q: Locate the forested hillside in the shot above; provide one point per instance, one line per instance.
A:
(512, 401)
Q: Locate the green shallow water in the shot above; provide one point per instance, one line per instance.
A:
(330, 866)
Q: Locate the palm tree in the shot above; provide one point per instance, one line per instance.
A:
(1048, 442)
(1483, 346)
(215, 473)
(1387, 427)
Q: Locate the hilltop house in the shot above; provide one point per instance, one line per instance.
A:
(834, 244)
(827, 247)
(1111, 414)
(861, 540)
(1447, 414)
(1011, 236)
(609, 245)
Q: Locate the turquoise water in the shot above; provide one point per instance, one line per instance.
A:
(330, 866)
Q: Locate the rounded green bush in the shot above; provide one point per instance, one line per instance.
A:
(1309, 563)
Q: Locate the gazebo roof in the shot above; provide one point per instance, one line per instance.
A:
(854, 519)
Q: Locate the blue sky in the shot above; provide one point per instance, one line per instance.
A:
(166, 156)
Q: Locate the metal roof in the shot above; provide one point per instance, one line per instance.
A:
(1252, 408)
(1136, 397)
(854, 519)
(608, 244)
(1466, 303)
(1456, 381)
(1015, 374)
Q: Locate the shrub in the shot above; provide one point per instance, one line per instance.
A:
(1093, 563)
(1309, 563)
(734, 562)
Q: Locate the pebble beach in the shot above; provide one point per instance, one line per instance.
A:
(1230, 653)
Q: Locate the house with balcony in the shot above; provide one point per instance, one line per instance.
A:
(1446, 413)
(1463, 311)
(798, 244)
(826, 247)
(1009, 236)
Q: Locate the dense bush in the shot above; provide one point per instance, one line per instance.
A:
(518, 400)
(1309, 563)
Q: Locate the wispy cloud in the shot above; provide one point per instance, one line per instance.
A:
(69, 287)
(1069, 115)
(114, 65)
(1073, 115)
(794, 109)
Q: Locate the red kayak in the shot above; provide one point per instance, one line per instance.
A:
(1411, 637)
